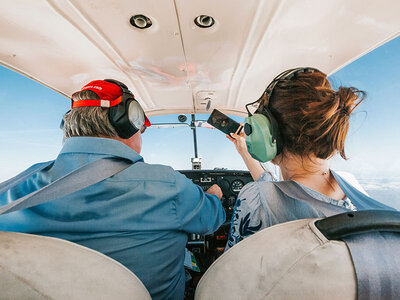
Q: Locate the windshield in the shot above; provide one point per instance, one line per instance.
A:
(31, 113)
(176, 146)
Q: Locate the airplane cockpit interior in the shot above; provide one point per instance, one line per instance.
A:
(196, 68)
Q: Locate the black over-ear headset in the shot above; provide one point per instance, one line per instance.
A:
(127, 117)
(263, 138)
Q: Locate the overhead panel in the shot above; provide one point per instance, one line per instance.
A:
(322, 34)
(153, 57)
(214, 53)
(36, 41)
(65, 44)
(174, 66)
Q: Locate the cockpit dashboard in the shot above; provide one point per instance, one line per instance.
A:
(230, 182)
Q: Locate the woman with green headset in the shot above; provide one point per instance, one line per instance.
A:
(299, 124)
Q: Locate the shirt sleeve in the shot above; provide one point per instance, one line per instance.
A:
(197, 212)
(248, 215)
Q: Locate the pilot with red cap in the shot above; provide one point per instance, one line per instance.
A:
(140, 216)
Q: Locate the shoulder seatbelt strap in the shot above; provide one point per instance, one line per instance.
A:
(375, 254)
(6, 185)
(376, 261)
(293, 190)
(74, 181)
(359, 199)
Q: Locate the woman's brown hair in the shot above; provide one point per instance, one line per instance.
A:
(312, 117)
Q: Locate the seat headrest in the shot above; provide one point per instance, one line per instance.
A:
(288, 261)
(37, 267)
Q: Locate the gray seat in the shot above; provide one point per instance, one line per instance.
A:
(37, 267)
(292, 260)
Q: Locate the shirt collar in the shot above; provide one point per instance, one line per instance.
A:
(104, 146)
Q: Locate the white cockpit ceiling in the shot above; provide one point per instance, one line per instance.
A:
(173, 66)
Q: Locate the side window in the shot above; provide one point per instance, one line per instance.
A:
(30, 116)
(373, 141)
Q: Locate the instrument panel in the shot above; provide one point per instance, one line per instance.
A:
(230, 182)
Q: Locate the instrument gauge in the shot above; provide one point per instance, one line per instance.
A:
(237, 185)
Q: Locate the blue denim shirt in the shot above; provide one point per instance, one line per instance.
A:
(139, 217)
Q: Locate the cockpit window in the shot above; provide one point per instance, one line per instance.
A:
(175, 146)
(30, 117)
(170, 145)
(373, 140)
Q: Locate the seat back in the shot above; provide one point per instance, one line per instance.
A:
(292, 260)
(38, 267)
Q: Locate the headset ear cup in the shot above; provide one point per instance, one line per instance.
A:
(136, 114)
(116, 82)
(119, 119)
(127, 117)
(260, 141)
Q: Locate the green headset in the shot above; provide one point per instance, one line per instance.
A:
(263, 138)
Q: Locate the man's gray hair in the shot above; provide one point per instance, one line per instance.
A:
(87, 121)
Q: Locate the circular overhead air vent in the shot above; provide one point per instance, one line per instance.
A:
(140, 21)
(182, 118)
(204, 21)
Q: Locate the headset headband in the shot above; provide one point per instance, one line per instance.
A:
(288, 74)
(122, 86)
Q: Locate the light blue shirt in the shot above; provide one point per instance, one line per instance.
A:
(139, 217)
(261, 204)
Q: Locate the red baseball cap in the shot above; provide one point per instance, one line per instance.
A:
(110, 94)
(147, 122)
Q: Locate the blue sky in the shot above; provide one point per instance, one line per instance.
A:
(373, 142)
(30, 117)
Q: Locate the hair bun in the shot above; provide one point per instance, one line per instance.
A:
(313, 118)
(349, 99)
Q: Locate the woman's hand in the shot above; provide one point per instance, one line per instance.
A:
(254, 166)
(240, 142)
